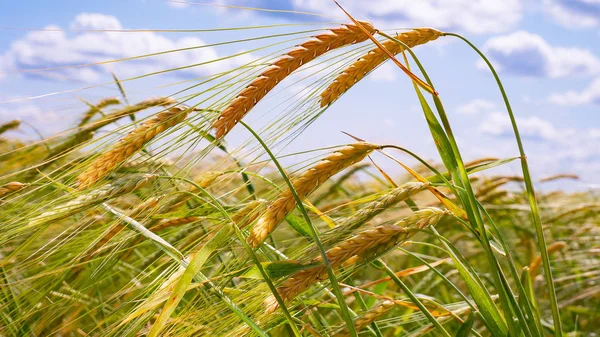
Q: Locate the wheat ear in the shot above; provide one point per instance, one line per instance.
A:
(11, 187)
(382, 203)
(305, 184)
(130, 144)
(535, 265)
(10, 125)
(365, 64)
(371, 242)
(284, 66)
(369, 317)
(117, 188)
(247, 214)
(94, 109)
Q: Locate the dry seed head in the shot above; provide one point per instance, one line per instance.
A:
(116, 188)
(130, 144)
(10, 125)
(284, 66)
(367, 63)
(365, 244)
(305, 184)
(369, 317)
(11, 187)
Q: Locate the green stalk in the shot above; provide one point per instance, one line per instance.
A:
(535, 214)
(334, 284)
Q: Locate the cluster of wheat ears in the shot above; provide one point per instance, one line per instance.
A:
(156, 228)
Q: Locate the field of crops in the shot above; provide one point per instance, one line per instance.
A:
(141, 220)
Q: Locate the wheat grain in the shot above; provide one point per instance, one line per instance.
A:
(366, 244)
(305, 184)
(130, 144)
(11, 187)
(284, 66)
(369, 317)
(10, 125)
(365, 64)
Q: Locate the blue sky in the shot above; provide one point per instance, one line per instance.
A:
(547, 51)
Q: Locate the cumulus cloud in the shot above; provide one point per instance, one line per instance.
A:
(533, 127)
(55, 47)
(591, 94)
(526, 54)
(476, 106)
(478, 17)
(574, 13)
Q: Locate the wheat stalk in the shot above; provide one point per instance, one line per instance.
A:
(94, 109)
(118, 187)
(305, 184)
(10, 125)
(369, 317)
(371, 242)
(130, 144)
(11, 187)
(366, 63)
(284, 66)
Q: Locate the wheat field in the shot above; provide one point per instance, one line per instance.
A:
(141, 220)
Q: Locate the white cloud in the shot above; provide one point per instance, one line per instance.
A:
(591, 94)
(476, 17)
(526, 54)
(574, 13)
(533, 127)
(95, 21)
(57, 48)
(476, 106)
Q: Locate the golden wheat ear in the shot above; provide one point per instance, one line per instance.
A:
(130, 144)
(284, 66)
(375, 57)
(305, 184)
(363, 245)
(369, 317)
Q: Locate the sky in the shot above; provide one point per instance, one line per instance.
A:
(547, 53)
